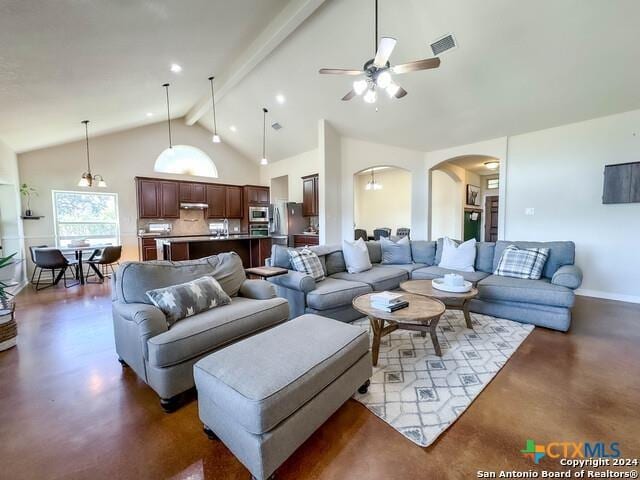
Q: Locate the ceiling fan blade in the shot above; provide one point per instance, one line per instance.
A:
(339, 71)
(400, 93)
(349, 96)
(385, 47)
(425, 64)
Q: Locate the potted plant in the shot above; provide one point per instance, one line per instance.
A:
(4, 295)
(28, 191)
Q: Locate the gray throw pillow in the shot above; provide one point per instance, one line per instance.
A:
(187, 299)
(396, 253)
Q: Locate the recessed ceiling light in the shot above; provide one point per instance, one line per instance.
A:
(492, 165)
(149, 114)
(175, 68)
(280, 98)
(233, 128)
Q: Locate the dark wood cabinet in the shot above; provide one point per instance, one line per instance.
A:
(169, 200)
(193, 192)
(304, 240)
(217, 201)
(257, 195)
(148, 250)
(310, 207)
(148, 204)
(234, 202)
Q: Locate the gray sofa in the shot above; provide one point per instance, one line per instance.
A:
(164, 357)
(546, 302)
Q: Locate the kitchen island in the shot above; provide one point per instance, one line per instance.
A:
(253, 249)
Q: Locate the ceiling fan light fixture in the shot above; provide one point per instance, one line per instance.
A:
(383, 80)
(392, 89)
(371, 96)
(359, 86)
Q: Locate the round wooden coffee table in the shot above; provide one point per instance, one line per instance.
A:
(421, 315)
(453, 301)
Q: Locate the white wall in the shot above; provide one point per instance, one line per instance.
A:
(446, 205)
(559, 173)
(389, 207)
(330, 185)
(296, 167)
(119, 157)
(358, 155)
(279, 188)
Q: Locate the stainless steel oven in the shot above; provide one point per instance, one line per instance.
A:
(259, 230)
(258, 214)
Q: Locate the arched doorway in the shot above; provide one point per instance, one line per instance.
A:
(465, 200)
(382, 198)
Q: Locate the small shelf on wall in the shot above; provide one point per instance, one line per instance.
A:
(32, 217)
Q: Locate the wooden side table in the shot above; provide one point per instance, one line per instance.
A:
(265, 272)
(8, 327)
(421, 315)
(453, 301)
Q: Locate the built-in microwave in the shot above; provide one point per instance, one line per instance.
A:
(259, 214)
(259, 230)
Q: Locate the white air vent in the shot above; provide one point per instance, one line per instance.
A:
(443, 44)
(276, 126)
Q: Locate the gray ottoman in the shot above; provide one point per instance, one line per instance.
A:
(265, 395)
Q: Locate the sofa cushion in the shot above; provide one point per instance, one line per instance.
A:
(429, 273)
(375, 251)
(560, 253)
(263, 380)
(207, 331)
(280, 257)
(335, 262)
(522, 262)
(484, 256)
(407, 267)
(306, 261)
(380, 277)
(423, 251)
(356, 255)
(509, 289)
(333, 292)
(396, 252)
(457, 256)
(188, 299)
(135, 279)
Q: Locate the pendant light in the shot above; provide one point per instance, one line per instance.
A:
(372, 184)
(264, 160)
(87, 179)
(216, 137)
(183, 159)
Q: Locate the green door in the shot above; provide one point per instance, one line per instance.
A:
(472, 222)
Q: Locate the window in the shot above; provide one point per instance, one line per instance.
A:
(86, 216)
(493, 183)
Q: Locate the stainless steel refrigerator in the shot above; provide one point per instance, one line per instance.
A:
(287, 220)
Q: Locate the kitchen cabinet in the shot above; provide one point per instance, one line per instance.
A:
(305, 240)
(148, 249)
(148, 205)
(234, 202)
(310, 196)
(257, 195)
(193, 192)
(169, 199)
(217, 201)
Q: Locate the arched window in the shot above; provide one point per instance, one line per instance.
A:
(186, 160)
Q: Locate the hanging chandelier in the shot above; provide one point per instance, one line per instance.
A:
(216, 137)
(372, 184)
(88, 179)
(264, 160)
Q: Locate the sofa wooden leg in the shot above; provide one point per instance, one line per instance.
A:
(170, 405)
(123, 363)
(209, 433)
(364, 388)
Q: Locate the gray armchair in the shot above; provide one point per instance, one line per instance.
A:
(163, 356)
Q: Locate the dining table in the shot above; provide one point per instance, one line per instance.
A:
(79, 252)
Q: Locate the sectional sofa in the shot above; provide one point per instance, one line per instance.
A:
(546, 302)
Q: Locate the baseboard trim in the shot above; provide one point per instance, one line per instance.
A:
(608, 295)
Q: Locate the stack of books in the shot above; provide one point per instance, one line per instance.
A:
(388, 301)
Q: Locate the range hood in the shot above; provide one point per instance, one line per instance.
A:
(193, 206)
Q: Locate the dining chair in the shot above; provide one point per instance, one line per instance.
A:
(403, 232)
(32, 253)
(101, 261)
(360, 233)
(381, 232)
(53, 259)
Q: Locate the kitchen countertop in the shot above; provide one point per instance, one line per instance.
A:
(168, 235)
(208, 238)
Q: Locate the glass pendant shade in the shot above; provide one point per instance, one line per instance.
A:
(384, 79)
(359, 86)
(370, 96)
(83, 181)
(87, 179)
(264, 161)
(216, 138)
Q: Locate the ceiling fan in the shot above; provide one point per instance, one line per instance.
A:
(378, 72)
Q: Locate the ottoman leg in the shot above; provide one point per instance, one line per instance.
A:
(364, 387)
(209, 433)
(170, 405)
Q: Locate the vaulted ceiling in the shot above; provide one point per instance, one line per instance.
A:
(520, 66)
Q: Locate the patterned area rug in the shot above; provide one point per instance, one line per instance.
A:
(420, 394)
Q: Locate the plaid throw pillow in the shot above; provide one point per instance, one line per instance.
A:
(306, 261)
(522, 262)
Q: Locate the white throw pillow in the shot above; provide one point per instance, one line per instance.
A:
(356, 256)
(458, 257)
